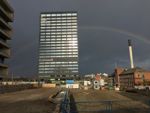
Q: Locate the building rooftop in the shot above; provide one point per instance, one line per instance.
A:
(136, 69)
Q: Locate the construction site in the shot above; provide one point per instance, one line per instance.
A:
(125, 91)
(51, 81)
(58, 100)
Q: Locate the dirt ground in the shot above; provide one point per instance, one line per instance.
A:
(36, 101)
(27, 101)
(123, 102)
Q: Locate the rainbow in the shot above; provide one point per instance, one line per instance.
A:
(110, 29)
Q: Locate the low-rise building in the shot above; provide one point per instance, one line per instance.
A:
(130, 78)
(117, 73)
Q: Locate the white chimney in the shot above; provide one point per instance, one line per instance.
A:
(130, 54)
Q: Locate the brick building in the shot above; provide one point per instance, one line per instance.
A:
(117, 73)
(129, 78)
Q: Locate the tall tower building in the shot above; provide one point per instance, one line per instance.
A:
(6, 17)
(58, 50)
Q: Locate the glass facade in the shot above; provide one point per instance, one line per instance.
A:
(58, 51)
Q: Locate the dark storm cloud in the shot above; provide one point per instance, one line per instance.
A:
(104, 28)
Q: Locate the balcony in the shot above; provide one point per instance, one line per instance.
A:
(3, 65)
(4, 54)
(7, 6)
(8, 16)
(3, 44)
(4, 24)
(5, 35)
(3, 70)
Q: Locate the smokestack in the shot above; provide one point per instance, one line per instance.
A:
(130, 54)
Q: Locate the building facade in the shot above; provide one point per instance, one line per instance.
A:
(130, 78)
(117, 72)
(58, 47)
(6, 17)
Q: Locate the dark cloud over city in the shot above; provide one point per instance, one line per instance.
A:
(104, 27)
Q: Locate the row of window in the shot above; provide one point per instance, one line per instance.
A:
(58, 39)
(59, 21)
(59, 14)
(59, 36)
(70, 62)
(63, 20)
(59, 50)
(62, 65)
(58, 42)
(59, 53)
(66, 39)
(55, 45)
(54, 68)
(59, 56)
(56, 75)
(46, 75)
(52, 62)
(62, 27)
(58, 46)
(46, 69)
(59, 30)
(57, 33)
(47, 72)
(56, 24)
(57, 66)
(58, 18)
(42, 64)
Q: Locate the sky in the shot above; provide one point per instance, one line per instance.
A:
(104, 27)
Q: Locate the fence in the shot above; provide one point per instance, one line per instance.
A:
(110, 106)
(65, 104)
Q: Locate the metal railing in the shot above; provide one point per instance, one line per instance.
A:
(111, 106)
(69, 105)
(65, 104)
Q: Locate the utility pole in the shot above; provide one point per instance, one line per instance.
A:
(12, 78)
